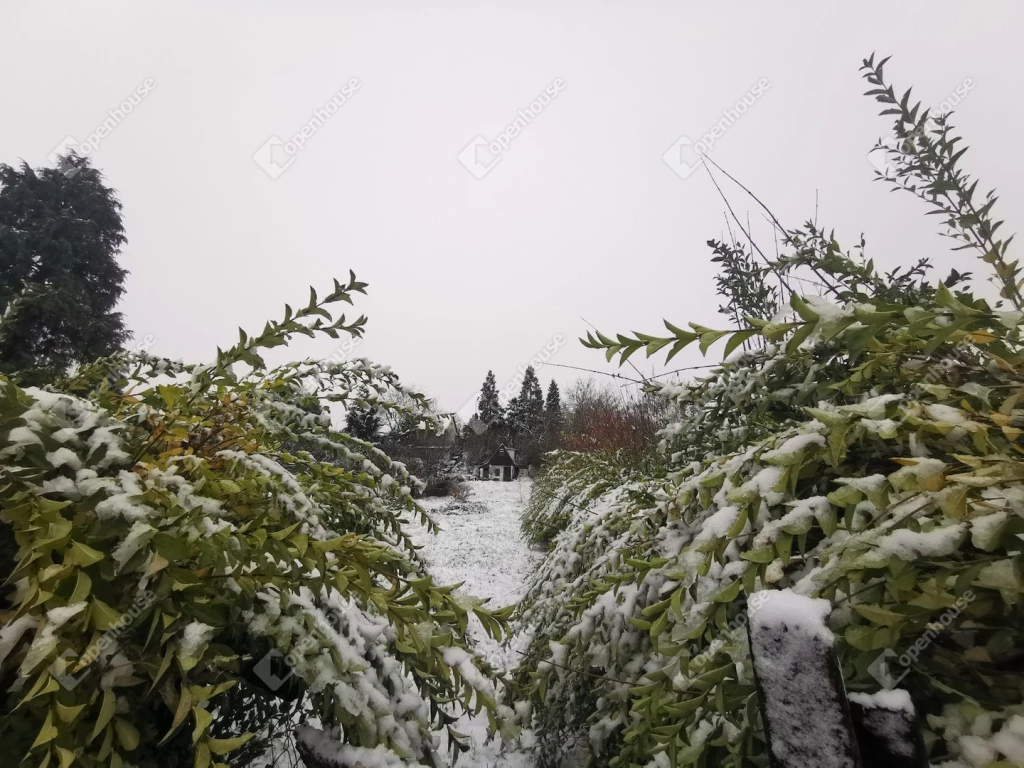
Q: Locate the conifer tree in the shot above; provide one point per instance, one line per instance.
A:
(526, 412)
(363, 423)
(60, 234)
(553, 411)
(489, 408)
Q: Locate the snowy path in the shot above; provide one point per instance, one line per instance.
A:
(481, 545)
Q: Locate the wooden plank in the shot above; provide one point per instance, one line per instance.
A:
(888, 730)
(800, 687)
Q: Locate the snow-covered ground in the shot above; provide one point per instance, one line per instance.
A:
(480, 545)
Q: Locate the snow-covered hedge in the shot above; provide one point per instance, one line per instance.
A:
(184, 561)
(570, 482)
(893, 505)
(867, 451)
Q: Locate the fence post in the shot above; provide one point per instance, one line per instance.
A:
(800, 687)
(888, 730)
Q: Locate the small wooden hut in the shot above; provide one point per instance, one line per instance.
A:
(500, 466)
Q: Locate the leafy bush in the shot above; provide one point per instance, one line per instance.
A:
(175, 524)
(865, 449)
(570, 482)
(607, 421)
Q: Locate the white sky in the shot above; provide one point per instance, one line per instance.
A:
(581, 218)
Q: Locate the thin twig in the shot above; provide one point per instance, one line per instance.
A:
(771, 265)
(774, 219)
(580, 671)
(591, 370)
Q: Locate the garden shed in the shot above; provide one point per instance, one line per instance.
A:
(500, 466)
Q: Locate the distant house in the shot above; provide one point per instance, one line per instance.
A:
(501, 466)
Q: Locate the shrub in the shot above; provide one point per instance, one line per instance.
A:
(568, 483)
(176, 523)
(865, 449)
(607, 421)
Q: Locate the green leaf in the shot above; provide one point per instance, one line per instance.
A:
(730, 593)
(175, 549)
(708, 338)
(800, 336)
(803, 308)
(946, 299)
(680, 344)
(762, 555)
(82, 554)
(737, 338)
(878, 614)
(102, 616)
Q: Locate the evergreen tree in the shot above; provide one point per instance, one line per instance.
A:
(488, 406)
(514, 416)
(363, 423)
(553, 420)
(60, 233)
(526, 412)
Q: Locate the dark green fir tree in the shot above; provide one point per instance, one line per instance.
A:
(60, 234)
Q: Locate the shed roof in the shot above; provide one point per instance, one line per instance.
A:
(502, 457)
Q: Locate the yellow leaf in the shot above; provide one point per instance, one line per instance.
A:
(103, 617)
(47, 733)
(977, 653)
(999, 418)
(158, 563)
(106, 712)
(203, 720)
(66, 714)
(202, 756)
(82, 588)
(127, 734)
(222, 746)
(184, 707)
(66, 756)
(44, 684)
(953, 503)
(82, 554)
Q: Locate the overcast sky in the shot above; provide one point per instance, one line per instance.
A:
(479, 259)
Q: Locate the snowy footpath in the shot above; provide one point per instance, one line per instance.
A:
(480, 545)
